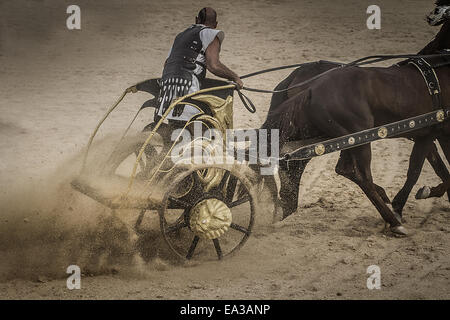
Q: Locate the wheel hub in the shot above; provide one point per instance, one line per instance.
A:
(210, 218)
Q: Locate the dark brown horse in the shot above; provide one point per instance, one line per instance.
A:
(308, 71)
(354, 99)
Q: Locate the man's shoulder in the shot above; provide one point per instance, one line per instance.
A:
(208, 35)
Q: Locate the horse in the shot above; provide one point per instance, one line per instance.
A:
(352, 99)
(310, 70)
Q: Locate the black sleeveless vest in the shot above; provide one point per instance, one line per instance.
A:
(181, 62)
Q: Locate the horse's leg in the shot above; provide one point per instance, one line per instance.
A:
(354, 164)
(290, 185)
(421, 148)
(445, 145)
(271, 185)
(438, 165)
(341, 168)
(434, 192)
(382, 194)
(441, 170)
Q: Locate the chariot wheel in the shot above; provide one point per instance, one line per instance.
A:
(120, 162)
(122, 159)
(213, 220)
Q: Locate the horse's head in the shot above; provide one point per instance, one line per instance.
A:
(440, 14)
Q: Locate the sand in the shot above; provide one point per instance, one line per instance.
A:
(56, 84)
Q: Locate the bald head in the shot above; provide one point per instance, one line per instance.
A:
(207, 16)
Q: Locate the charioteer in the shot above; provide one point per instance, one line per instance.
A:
(194, 51)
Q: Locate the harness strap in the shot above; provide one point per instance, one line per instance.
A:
(359, 138)
(431, 80)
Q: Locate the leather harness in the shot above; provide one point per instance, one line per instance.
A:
(431, 80)
(427, 70)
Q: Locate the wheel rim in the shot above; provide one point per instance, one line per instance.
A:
(121, 163)
(229, 206)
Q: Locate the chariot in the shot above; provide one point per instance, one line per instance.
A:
(205, 209)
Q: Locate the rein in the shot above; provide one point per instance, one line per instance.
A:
(359, 62)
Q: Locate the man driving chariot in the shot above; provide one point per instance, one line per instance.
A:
(194, 51)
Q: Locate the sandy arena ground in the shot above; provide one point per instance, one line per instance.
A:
(56, 84)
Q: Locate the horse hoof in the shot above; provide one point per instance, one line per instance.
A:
(423, 193)
(401, 230)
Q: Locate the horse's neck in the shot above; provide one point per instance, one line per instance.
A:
(440, 42)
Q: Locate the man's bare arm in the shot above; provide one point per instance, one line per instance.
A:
(216, 67)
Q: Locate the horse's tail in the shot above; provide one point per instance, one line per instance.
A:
(295, 115)
(290, 116)
(279, 97)
(302, 99)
